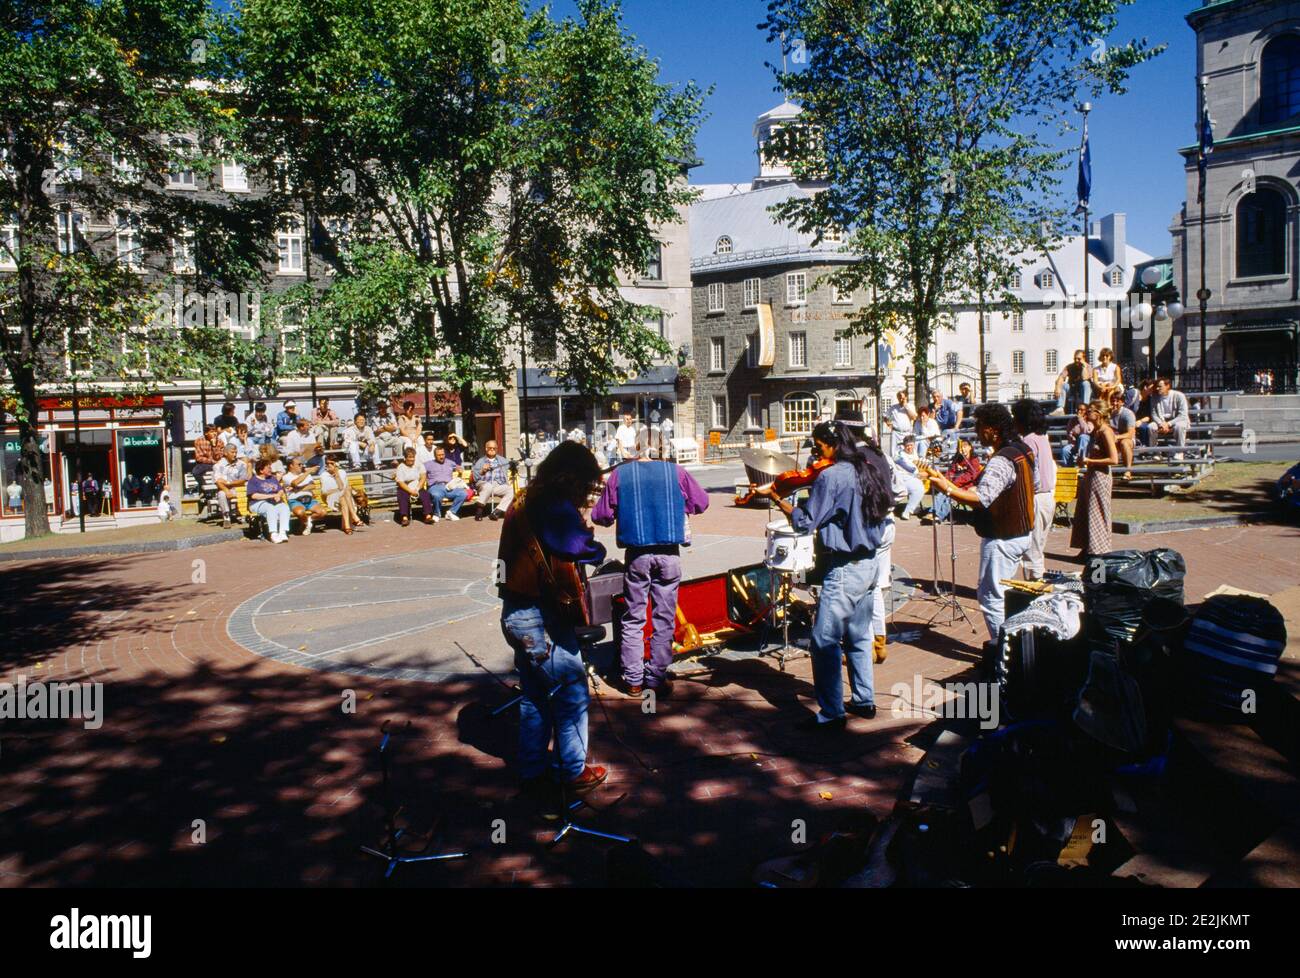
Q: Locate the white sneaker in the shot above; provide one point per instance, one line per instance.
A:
(437, 518)
(452, 516)
(904, 516)
(279, 538)
(306, 530)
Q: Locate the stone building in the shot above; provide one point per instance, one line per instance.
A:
(1248, 60)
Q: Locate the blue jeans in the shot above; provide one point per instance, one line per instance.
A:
(439, 491)
(842, 628)
(942, 506)
(1070, 454)
(277, 515)
(1073, 395)
(999, 560)
(553, 679)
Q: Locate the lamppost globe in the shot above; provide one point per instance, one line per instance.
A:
(1175, 310)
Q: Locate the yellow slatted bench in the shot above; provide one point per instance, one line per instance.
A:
(1067, 491)
(257, 524)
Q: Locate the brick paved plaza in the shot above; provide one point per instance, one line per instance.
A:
(260, 748)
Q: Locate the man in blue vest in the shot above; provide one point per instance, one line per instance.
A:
(650, 500)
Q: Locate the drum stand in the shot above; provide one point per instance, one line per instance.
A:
(779, 596)
(567, 808)
(946, 600)
(391, 851)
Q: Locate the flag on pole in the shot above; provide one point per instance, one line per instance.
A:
(1205, 138)
(1085, 170)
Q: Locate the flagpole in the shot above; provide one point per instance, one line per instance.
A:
(1086, 107)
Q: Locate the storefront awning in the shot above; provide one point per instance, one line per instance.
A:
(656, 380)
(1264, 326)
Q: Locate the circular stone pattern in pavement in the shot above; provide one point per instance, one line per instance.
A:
(415, 615)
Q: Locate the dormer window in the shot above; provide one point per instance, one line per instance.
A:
(1115, 277)
(1015, 279)
(1046, 279)
(723, 246)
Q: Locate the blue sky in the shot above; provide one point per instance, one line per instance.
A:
(1135, 137)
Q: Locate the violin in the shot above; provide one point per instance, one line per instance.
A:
(788, 483)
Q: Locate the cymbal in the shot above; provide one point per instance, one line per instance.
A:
(767, 461)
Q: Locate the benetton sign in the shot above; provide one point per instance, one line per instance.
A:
(101, 403)
(140, 441)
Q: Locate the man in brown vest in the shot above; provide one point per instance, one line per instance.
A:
(1003, 500)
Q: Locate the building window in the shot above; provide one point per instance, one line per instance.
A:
(988, 359)
(717, 297)
(832, 235)
(798, 349)
(9, 243)
(1017, 361)
(66, 167)
(753, 292)
(722, 246)
(718, 412)
(77, 357)
(841, 296)
(654, 265)
(1018, 321)
(181, 175)
(69, 231)
(952, 361)
(1261, 234)
(1050, 362)
(798, 413)
(986, 322)
(1115, 278)
(796, 288)
(234, 178)
(751, 351)
(124, 170)
(1049, 322)
(1015, 280)
(754, 411)
(127, 235)
(1046, 280)
(1279, 82)
(289, 243)
(843, 350)
(183, 254)
(717, 354)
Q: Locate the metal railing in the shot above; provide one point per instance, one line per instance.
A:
(1249, 378)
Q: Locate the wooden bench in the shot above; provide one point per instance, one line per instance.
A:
(255, 523)
(1066, 492)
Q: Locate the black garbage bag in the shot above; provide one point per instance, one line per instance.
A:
(1117, 585)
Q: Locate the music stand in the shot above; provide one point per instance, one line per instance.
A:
(567, 808)
(946, 600)
(391, 851)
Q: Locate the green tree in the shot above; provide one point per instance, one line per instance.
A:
(936, 125)
(500, 168)
(99, 101)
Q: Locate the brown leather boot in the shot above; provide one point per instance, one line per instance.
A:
(878, 652)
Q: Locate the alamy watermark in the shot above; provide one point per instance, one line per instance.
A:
(53, 701)
(950, 701)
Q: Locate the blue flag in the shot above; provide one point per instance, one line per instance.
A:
(1205, 137)
(1085, 171)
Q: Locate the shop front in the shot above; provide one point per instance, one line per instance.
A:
(552, 412)
(115, 447)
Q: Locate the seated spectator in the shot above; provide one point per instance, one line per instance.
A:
(1077, 436)
(272, 456)
(412, 483)
(425, 450)
(386, 432)
(906, 476)
(266, 498)
(445, 482)
(408, 426)
(227, 420)
(298, 441)
(313, 459)
(287, 420)
(492, 483)
(455, 448)
(339, 495)
(963, 472)
(207, 453)
(260, 428)
(324, 422)
(1170, 416)
(1125, 424)
(230, 473)
(166, 511)
(926, 430)
(358, 439)
(299, 491)
(243, 442)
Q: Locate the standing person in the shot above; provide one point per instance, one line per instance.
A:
(412, 482)
(848, 508)
(1003, 500)
(947, 416)
(1074, 384)
(1031, 426)
(338, 495)
(444, 482)
(260, 428)
(408, 426)
(625, 435)
(287, 420)
(543, 540)
(902, 416)
(230, 473)
(1124, 422)
(492, 482)
(1091, 532)
(359, 438)
(650, 501)
(325, 422)
(266, 498)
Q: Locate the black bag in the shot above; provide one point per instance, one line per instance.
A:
(1117, 585)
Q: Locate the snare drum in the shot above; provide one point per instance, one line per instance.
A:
(788, 549)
